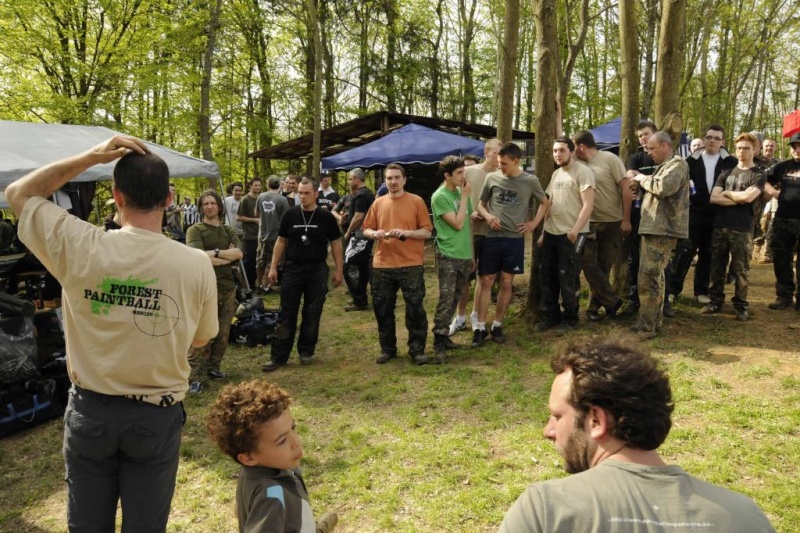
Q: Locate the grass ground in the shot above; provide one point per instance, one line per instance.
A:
(397, 447)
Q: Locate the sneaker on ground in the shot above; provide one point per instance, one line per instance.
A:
(306, 360)
(710, 309)
(742, 315)
(195, 387)
(703, 299)
(456, 326)
(420, 359)
(354, 307)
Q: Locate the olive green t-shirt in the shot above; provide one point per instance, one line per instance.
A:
(208, 237)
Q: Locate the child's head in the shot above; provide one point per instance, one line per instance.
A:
(251, 422)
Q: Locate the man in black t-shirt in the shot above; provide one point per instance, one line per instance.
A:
(733, 196)
(358, 255)
(783, 182)
(303, 237)
(639, 163)
(327, 196)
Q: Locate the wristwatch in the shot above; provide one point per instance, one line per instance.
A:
(216, 252)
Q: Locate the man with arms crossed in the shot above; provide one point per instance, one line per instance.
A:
(734, 195)
(610, 409)
(400, 223)
(504, 203)
(131, 313)
(454, 261)
(704, 167)
(475, 176)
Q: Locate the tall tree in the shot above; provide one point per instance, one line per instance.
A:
(508, 70)
(546, 102)
(313, 20)
(629, 73)
(668, 69)
(203, 118)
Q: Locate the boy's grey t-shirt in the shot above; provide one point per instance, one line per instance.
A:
(509, 199)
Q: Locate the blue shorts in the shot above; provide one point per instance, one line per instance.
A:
(504, 254)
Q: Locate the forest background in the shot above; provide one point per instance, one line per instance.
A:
(219, 79)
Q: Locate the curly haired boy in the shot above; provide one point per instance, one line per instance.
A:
(252, 423)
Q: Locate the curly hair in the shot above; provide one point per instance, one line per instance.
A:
(235, 419)
(615, 374)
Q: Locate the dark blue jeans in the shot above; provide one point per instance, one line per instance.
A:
(118, 449)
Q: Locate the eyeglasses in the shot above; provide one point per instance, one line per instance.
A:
(713, 138)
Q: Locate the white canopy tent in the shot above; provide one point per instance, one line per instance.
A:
(27, 146)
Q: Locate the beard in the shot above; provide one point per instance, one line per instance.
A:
(576, 452)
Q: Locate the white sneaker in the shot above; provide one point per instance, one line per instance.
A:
(456, 325)
(703, 299)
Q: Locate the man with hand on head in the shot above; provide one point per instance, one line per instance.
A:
(131, 313)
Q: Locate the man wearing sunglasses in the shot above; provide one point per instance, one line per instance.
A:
(704, 167)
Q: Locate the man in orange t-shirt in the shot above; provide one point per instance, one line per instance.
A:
(400, 223)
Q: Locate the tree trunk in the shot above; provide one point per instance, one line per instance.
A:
(668, 69)
(629, 72)
(313, 20)
(467, 20)
(649, 60)
(391, 49)
(508, 70)
(546, 82)
(204, 123)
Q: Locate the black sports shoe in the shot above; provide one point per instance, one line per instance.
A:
(497, 334)
(216, 374)
(478, 336)
(668, 311)
(710, 309)
(594, 315)
(420, 359)
(306, 360)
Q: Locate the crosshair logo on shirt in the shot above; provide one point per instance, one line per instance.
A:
(158, 322)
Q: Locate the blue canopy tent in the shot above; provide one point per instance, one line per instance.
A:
(607, 136)
(407, 145)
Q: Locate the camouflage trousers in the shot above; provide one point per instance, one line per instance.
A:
(653, 259)
(385, 284)
(209, 357)
(453, 280)
(738, 246)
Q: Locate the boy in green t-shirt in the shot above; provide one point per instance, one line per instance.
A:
(451, 209)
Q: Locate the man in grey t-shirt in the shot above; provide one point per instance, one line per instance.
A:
(270, 206)
(505, 200)
(610, 409)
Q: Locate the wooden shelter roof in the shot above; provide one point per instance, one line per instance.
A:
(368, 128)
